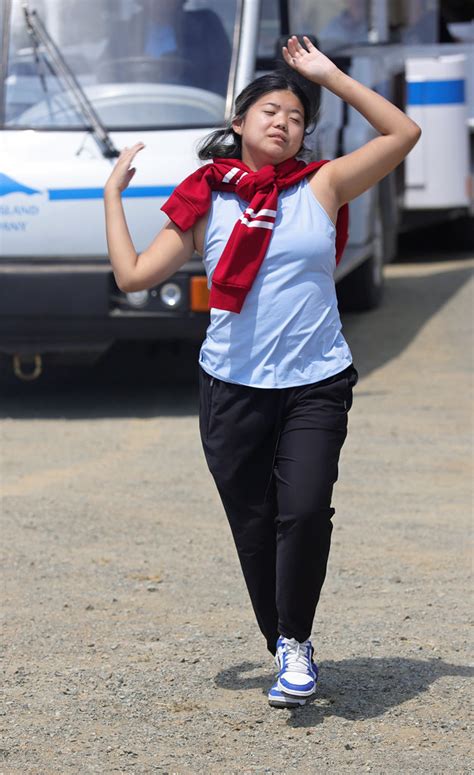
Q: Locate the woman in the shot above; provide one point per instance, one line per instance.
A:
(276, 374)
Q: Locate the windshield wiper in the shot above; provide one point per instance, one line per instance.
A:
(61, 69)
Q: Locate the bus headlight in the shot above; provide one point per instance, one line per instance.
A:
(170, 294)
(137, 298)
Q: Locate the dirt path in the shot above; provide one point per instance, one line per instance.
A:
(129, 645)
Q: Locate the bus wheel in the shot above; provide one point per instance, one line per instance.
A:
(461, 233)
(362, 289)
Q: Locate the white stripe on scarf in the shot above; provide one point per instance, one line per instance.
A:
(232, 173)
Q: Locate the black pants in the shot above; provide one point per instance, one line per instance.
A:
(274, 457)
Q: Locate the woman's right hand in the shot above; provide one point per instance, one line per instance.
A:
(308, 62)
(122, 173)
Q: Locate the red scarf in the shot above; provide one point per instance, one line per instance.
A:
(246, 247)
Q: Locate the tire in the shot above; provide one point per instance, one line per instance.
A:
(362, 289)
(461, 233)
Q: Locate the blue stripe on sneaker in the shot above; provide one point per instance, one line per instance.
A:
(297, 687)
(277, 697)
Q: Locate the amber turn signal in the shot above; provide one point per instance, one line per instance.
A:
(199, 294)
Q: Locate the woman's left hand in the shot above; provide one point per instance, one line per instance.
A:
(309, 62)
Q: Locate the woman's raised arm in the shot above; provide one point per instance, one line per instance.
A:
(170, 249)
(352, 174)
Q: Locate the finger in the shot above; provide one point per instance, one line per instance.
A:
(309, 45)
(300, 49)
(124, 154)
(292, 47)
(126, 151)
(130, 153)
(287, 57)
(294, 42)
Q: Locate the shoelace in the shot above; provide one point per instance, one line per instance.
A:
(296, 656)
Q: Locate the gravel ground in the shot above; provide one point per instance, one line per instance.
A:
(129, 644)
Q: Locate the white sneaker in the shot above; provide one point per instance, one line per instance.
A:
(298, 674)
(278, 699)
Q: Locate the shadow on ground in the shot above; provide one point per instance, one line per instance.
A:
(358, 688)
(129, 381)
(379, 336)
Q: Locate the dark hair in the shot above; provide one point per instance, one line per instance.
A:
(228, 144)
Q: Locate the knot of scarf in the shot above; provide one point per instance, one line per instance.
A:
(246, 247)
(269, 179)
(262, 182)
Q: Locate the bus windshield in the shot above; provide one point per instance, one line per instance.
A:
(341, 23)
(141, 63)
(335, 22)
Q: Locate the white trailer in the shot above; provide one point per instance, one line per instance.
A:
(79, 81)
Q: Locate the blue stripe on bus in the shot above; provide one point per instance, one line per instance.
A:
(98, 193)
(435, 92)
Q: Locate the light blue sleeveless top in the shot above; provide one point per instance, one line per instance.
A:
(288, 332)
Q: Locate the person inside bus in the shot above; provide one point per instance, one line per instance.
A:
(349, 26)
(425, 24)
(190, 47)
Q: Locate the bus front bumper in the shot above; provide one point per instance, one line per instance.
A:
(51, 307)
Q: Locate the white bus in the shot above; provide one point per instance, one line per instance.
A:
(79, 81)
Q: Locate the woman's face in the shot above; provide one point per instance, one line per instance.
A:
(272, 130)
